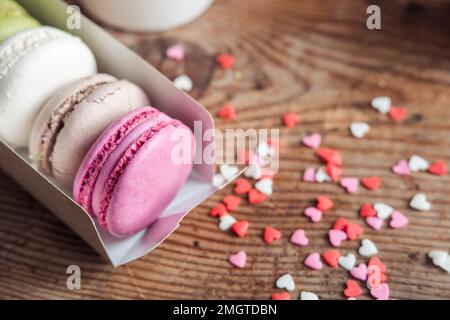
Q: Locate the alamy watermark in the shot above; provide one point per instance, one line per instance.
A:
(73, 21)
(373, 22)
(74, 280)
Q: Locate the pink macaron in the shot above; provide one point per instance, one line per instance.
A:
(134, 170)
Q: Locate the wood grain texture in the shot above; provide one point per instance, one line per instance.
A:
(315, 58)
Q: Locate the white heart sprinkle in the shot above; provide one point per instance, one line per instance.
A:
(228, 172)
(322, 175)
(218, 180)
(265, 186)
(286, 282)
(347, 262)
(446, 265)
(438, 257)
(359, 129)
(306, 295)
(420, 202)
(368, 248)
(225, 222)
(382, 104)
(264, 150)
(383, 210)
(417, 163)
(253, 171)
(183, 82)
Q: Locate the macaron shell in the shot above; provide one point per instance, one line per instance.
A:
(148, 183)
(87, 121)
(13, 18)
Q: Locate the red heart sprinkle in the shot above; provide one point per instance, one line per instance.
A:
(218, 211)
(341, 224)
(329, 156)
(271, 234)
(225, 60)
(227, 112)
(375, 261)
(334, 171)
(240, 228)
(290, 119)
(281, 296)
(232, 202)
(331, 258)
(398, 114)
(256, 197)
(354, 231)
(353, 289)
(274, 143)
(367, 210)
(242, 186)
(439, 168)
(324, 203)
(371, 183)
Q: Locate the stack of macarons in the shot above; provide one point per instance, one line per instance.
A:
(89, 132)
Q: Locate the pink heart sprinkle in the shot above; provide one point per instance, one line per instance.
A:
(312, 141)
(381, 292)
(309, 175)
(336, 237)
(238, 259)
(313, 261)
(350, 184)
(299, 238)
(398, 220)
(313, 213)
(374, 222)
(401, 168)
(176, 52)
(360, 272)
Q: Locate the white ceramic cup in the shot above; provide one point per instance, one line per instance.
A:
(146, 15)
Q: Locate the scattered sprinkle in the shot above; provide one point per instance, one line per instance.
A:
(381, 292)
(417, 163)
(183, 82)
(383, 210)
(367, 210)
(398, 220)
(225, 60)
(347, 262)
(306, 295)
(218, 211)
(238, 260)
(375, 223)
(281, 296)
(291, 119)
(242, 186)
(299, 238)
(440, 259)
(382, 104)
(350, 184)
(256, 197)
(371, 183)
(228, 172)
(331, 258)
(271, 234)
(312, 261)
(401, 168)
(324, 203)
(286, 282)
(226, 222)
(309, 175)
(265, 186)
(352, 289)
(438, 168)
(336, 237)
(227, 112)
(231, 202)
(359, 129)
(368, 248)
(398, 114)
(360, 272)
(240, 228)
(313, 213)
(176, 52)
(420, 202)
(312, 141)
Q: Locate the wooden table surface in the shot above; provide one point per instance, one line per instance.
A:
(312, 57)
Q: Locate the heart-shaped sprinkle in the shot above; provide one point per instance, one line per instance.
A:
(438, 257)
(322, 175)
(371, 183)
(398, 220)
(240, 228)
(299, 238)
(368, 248)
(347, 262)
(401, 168)
(324, 203)
(352, 289)
(375, 223)
(336, 237)
(226, 61)
(265, 186)
(226, 222)
(360, 272)
(309, 175)
(218, 180)
(313, 213)
(398, 113)
(281, 296)
(253, 171)
(175, 52)
(286, 282)
(271, 234)
(374, 261)
(381, 292)
(446, 265)
(256, 197)
(367, 210)
(265, 150)
(290, 119)
(313, 261)
(359, 129)
(228, 172)
(312, 141)
(331, 258)
(438, 168)
(420, 202)
(334, 171)
(350, 184)
(417, 163)
(238, 260)
(306, 295)
(183, 82)
(341, 224)
(329, 155)
(274, 143)
(231, 202)
(354, 231)
(382, 104)
(218, 211)
(227, 112)
(383, 210)
(242, 186)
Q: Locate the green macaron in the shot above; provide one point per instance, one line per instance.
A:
(13, 18)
